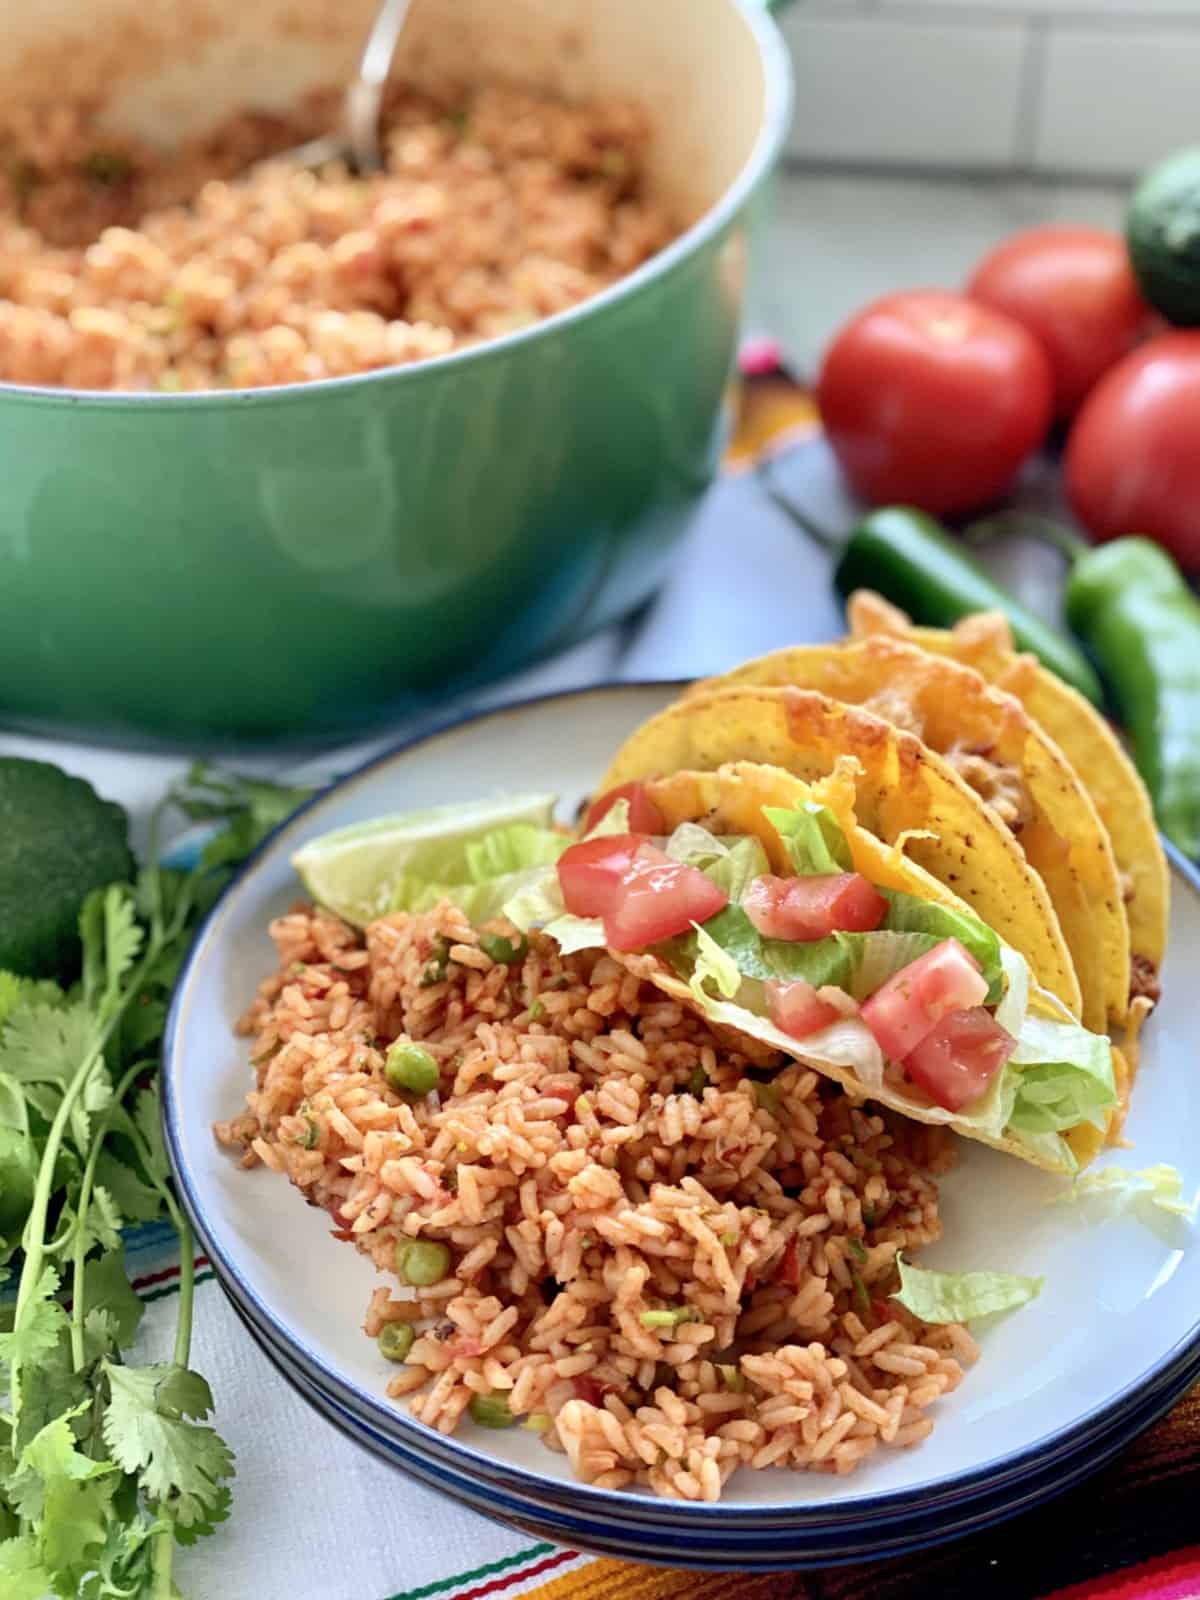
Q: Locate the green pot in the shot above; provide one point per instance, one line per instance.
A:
(308, 559)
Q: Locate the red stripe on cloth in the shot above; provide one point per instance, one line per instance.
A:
(167, 1272)
(497, 1584)
(1172, 1577)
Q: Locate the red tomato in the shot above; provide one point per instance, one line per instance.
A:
(1133, 456)
(644, 815)
(931, 400)
(658, 899)
(590, 872)
(956, 1061)
(906, 1009)
(810, 908)
(590, 1389)
(788, 1270)
(1074, 290)
(797, 1008)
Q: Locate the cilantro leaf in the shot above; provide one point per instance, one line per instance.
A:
(112, 941)
(65, 1495)
(50, 1389)
(107, 1292)
(250, 808)
(35, 1332)
(42, 1048)
(125, 1565)
(138, 1200)
(147, 1116)
(103, 1467)
(19, 1157)
(22, 1575)
(180, 1464)
(104, 1220)
(14, 989)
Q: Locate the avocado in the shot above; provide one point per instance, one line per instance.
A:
(1162, 232)
(58, 841)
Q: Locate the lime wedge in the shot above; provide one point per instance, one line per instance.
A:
(357, 871)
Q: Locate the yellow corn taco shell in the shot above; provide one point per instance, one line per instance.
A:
(985, 643)
(730, 800)
(994, 745)
(905, 795)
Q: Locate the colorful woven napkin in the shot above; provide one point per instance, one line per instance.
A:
(317, 1518)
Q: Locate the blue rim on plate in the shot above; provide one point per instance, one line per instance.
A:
(780, 1550)
(1063, 1451)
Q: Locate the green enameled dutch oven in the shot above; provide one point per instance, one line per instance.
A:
(313, 558)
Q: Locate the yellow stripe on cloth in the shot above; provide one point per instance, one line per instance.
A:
(771, 412)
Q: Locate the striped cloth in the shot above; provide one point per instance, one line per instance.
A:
(315, 1518)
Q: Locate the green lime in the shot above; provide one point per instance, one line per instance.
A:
(407, 861)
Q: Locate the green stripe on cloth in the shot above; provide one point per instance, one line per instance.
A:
(444, 1584)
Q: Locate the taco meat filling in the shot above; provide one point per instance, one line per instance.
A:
(1144, 981)
(997, 783)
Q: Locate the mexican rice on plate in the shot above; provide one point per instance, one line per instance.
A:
(640, 1118)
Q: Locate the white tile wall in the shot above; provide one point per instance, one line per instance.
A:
(1072, 87)
(905, 93)
(1097, 119)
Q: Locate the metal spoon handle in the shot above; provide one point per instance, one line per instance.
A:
(365, 95)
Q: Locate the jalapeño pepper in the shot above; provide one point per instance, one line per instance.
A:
(1130, 604)
(920, 567)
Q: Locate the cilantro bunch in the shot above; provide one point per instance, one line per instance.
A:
(104, 1466)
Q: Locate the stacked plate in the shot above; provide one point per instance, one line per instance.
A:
(1060, 1387)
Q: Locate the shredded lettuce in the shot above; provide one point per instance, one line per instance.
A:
(1064, 1077)
(814, 838)
(818, 961)
(713, 964)
(908, 914)
(571, 933)
(880, 956)
(1059, 1074)
(512, 849)
(858, 963)
(961, 1296)
(1161, 1185)
(535, 899)
(480, 874)
(731, 863)
(847, 1044)
(816, 844)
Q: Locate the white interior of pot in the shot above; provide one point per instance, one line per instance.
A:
(169, 68)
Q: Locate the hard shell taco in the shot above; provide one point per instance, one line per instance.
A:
(905, 795)
(997, 748)
(985, 643)
(760, 900)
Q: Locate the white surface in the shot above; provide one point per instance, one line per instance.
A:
(1122, 1288)
(977, 83)
(905, 93)
(837, 242)
(1108, 97)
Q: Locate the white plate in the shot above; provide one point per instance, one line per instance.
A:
(1122, 1290)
